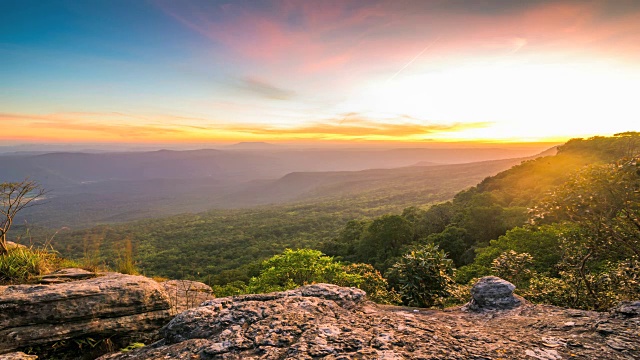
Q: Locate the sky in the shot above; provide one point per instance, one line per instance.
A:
(425, 71)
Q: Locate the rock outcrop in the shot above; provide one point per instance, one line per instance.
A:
(186, 294)
(493, 293)
(108, 305)
(326, 321)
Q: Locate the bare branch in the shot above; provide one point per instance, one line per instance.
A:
(15, 197)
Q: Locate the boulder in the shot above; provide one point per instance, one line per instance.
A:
(186, 294)
(627, 309)
(493, 293)
(109, 305)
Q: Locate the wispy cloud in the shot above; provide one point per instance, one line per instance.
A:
(265, 89)
(355, 126)
(313, 36)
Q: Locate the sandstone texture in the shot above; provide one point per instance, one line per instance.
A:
(330, 322)
(186, 294)
(108, 305)
(67, 275)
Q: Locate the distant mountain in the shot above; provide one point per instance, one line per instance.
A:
(425, 163)
(62, 169)
(89, 188)
(414, 182)
(252, 145)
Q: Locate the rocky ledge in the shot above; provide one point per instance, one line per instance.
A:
(330, 322)
(112, 304)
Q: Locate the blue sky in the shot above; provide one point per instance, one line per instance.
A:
(319, 71)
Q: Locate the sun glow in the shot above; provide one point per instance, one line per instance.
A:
(517, 101)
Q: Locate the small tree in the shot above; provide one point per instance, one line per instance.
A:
(14, 197)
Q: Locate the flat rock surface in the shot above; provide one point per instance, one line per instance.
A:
(66, 275)
(326, 321)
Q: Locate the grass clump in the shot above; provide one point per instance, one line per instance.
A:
(22, 265)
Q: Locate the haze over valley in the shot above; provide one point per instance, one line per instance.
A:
(91, 188)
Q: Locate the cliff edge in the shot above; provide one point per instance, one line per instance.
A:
(331, 322)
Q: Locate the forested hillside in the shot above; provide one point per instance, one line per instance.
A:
(565, 229)
(482, 213)
(208, 244)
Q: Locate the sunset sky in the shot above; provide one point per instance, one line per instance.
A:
(151, 71)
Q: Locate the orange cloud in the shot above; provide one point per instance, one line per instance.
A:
(111, 127)
(354, 126)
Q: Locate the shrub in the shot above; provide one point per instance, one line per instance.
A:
(371, 281)
(513, 267)
(295, 268)
(424, 276)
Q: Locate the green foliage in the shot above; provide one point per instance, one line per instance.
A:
(424, 276)
(295, 268)
(231, 289)
(344, 245)
(587, 255)
(459, 294)
(599, 257)
(383, 241)
(593, 290)
(478, 215)
(367, 278)
(514, 267)
(218, 247)
(542, 243)
(603, 199)
(455, 242)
